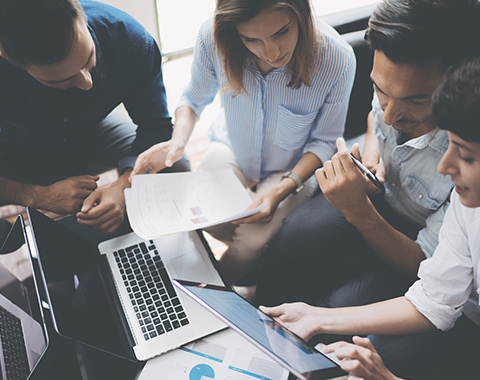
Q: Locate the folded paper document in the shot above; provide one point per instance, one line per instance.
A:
(161, 204)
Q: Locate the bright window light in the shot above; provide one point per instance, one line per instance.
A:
(180, 20)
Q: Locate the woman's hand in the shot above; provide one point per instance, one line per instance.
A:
(298, 317)
(270, 199)
(360, 359)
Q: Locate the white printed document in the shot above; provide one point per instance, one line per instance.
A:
(224, 355)
(162, 204)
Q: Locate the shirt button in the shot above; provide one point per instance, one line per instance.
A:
(420, 196)
(65, 120)
(394, 184)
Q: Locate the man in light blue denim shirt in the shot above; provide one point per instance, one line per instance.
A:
(412, 189)
(351, 245)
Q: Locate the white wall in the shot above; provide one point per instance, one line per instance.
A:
(145, 11)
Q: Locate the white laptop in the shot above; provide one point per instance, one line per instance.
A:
(119, 297)
(22, 341)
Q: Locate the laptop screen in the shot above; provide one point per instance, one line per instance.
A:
(71, 267)
(20, 309)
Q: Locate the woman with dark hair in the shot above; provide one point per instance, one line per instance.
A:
(285, 81)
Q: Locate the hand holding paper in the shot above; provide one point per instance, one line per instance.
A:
(161, 204)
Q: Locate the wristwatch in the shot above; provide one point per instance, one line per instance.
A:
(295, 178)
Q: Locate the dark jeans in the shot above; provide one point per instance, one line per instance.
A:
(96, 149)
(320, 258)
(434, 355)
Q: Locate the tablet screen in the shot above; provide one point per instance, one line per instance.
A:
(266, 332)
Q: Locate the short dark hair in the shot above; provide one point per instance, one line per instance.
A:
(423, 31)
(38, 32)
(456, 103)
(229, 13)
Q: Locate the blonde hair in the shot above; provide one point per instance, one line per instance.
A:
(229, 13)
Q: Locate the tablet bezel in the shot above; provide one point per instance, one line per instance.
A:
(327, 373)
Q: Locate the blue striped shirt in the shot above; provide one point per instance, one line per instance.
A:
(271, 126)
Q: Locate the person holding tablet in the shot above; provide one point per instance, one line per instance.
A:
(352, 244)
(433, 331)
(285, 81)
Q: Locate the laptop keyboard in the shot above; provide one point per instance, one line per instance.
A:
(153, 297)
(13, 346)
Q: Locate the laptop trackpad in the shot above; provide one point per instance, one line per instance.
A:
(187, 259)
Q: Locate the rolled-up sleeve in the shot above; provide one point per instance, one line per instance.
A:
(446, 279)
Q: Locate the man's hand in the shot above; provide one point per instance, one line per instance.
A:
(66, 196)
(342, 183)
(298, 317)
(376, 168)
(158, 157)
(360, 359)
(104, 209)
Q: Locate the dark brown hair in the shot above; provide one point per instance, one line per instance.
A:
(456, 103)
(38, 32)
(229, 13)
(422, 31)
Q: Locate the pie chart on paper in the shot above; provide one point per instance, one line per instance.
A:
(201, 372)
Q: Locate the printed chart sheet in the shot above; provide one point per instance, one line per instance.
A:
(162, 204)
(225, 355)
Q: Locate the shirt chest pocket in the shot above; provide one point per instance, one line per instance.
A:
(427, 196)
(292, 130)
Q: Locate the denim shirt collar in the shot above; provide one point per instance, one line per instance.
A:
(435, 139)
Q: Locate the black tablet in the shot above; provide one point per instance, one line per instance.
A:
(280, 344)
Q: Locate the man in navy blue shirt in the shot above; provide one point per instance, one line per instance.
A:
(64, 67)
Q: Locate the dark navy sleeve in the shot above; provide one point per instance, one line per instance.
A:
(147, 103)
(133, 74)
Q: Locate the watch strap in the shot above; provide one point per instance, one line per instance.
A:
(295, 178)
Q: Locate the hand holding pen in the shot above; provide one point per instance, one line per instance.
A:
(372, 177)
(343, 183)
